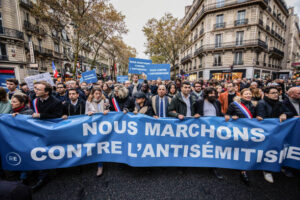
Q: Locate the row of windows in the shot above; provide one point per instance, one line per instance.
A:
(238, 60)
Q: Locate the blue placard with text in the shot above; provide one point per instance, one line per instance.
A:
(122, 79)
(90, 76)
(138, 66)
(158, 71)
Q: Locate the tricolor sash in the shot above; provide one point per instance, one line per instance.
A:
(34, 104)
(116, 105)
(244, 110)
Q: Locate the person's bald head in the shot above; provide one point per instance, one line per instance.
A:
(294, 93)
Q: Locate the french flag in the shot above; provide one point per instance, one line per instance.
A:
(55, 72)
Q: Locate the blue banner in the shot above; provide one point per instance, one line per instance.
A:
(122, 79)
(139, 140)
(158, 71)
(138, 66)
(90, 76)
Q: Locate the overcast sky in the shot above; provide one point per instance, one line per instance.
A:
(138, 12)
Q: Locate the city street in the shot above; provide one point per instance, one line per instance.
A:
(124, 182)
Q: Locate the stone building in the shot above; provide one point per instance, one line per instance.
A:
(29, 46)
(292, 48)
(235, 39)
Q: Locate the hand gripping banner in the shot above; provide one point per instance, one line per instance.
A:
(140, 141)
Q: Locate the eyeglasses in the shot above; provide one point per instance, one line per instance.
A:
(274, 93)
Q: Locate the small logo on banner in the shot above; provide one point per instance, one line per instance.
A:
(13, 159)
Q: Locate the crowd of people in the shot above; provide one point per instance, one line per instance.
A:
(235, 99)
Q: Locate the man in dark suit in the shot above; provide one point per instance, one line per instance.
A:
(292, 103)
(45, 106)
(160, 102)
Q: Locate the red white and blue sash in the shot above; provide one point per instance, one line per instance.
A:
(34, 104)
(116, 105)
(244, 110)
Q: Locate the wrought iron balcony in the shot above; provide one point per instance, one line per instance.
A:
(4, 57)
(272, 32)
(186, 59)
(201, 31)
(42, 51)
(26, 4)
(220, 25)
(240, 22)
(198, 51)
(11, 33)
(34, 28)
(238, 62)
(221, 5)
(276, 52)
(217, 64)
(195, 37)
(235, 45)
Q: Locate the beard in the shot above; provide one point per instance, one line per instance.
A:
(211, 99)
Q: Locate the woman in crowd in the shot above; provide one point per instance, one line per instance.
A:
(172, 90)
(106, 90)
(219, 90)
(5, 106)
(257, 95)
(19, 106)
(242, 107)
(120, 100)
(97, 103)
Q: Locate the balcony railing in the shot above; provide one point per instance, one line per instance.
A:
(219, 5)
(186, 59)
(238, 62)
(34, 28)
(195, 37)
(201, 31)
(4, 57)
(43, 51)
(11, 33)
(26, 3)
(241, 44)
(198, 51)
(220, 25)
(240, 22)
(272, 32)
(217, 64)
(276, 51)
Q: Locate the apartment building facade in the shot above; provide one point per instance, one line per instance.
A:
(235, 39)
(29, 46)
(292, 48)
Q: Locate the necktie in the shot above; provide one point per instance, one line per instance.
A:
(161, 110)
